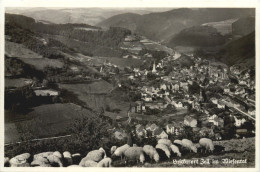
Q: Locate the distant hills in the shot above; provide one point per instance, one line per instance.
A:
(204, 36)
(239, 51)
(89, 16)
(163, 25)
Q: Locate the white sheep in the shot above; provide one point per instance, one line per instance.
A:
(40, 161)
(164, 148)
(89, 163)
(96, 155)
(178, 142)
(68, 158)
(135, 153)
(176, 150)
(20, 160)
(189, 145)
(43, 154)
(53, 159)
(106, 162)
(113, 149)
(207, 143)
(121, 150)
(57, 154)
(166, 142)
(151, 152)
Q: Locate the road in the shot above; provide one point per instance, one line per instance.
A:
(47, 138)
(244, 113)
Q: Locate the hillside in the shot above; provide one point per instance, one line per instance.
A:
(243, 26)
(239, 51)
(161, 25)
(90, 16)
(223, 27)
(44, 38)
(205, 36)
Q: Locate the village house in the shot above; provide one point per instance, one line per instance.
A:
(159, 133)
(173, 128)
(239, 121)
(190, 121)
(48, 92)
(140, 131)
(251, 111)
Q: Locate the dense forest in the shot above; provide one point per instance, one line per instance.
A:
(32, 34)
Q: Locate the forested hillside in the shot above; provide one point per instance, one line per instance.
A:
(25, 30)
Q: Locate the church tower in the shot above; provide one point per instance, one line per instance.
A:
(154, 69)
(201, 99)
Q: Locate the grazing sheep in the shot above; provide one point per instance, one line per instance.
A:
(43, 155)
(207, 143)
(96, 155)
(6, 162)
(57, 154)
(20, 160)
(135, 153)
(121, 150)
(113, 149)
(189, 145)
(40, 161)
(176, 150)
(89, 163)
(151, 152)
(54, 160)
(166, 142)
(106, 162)
(178, 142)
(164, 148)
(67, 158)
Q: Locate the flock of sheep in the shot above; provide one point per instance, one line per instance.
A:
(98, 158)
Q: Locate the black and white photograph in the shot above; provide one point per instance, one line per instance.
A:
(155, 87)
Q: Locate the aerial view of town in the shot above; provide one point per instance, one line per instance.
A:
(133, 87)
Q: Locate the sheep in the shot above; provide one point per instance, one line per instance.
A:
(43, 154)
(121, 150)
(6, 161)
(151, 152)
(207, 143)
(96, 155)
(166, 142)
(176, 150)
(113, 149)
(189, 145)
(89, 163)
(178, 142)
(53, 159)
(67, 158)
(40, 161)
(106, 162)
(20, 160)
(57, 154)
(135, 153)
(164, 148)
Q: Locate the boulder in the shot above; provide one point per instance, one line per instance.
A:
(58, 154)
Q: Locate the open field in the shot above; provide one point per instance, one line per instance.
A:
(120, 62)
(44, 121)
(96, 96)
(41, 63)
(18, 50)
(20, 82)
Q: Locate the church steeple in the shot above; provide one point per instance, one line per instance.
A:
(154, 69)
(201, 96)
